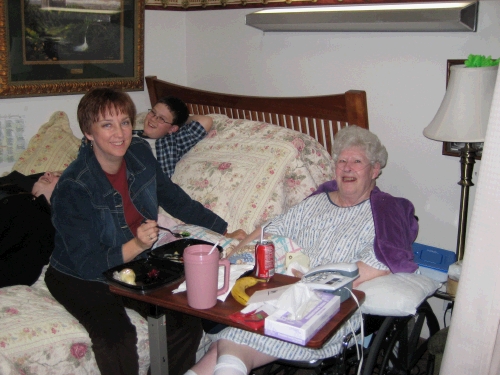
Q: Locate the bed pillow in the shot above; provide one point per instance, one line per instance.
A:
(397, 294)
(248, 171)
(53, 148)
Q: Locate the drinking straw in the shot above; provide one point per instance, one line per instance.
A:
(213, 248)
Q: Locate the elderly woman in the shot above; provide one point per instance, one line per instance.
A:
(350, 220)
(104, 210)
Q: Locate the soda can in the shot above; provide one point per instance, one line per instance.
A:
(264, 260)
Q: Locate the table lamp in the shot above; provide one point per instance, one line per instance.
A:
(463, 117)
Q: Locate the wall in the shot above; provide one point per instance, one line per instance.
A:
(164, 46)
(402, 73)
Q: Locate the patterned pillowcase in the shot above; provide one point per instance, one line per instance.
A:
(248, 172)
(53, 148)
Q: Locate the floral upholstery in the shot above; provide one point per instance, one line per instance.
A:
(248, 172)
(38, 336)
(53, 148)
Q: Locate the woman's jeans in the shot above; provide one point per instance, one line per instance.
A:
(113, 336)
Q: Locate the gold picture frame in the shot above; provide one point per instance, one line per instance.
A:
(48, 47)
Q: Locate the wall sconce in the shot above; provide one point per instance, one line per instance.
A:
(429, 16)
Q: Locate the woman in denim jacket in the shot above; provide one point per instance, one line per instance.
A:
(104, 210)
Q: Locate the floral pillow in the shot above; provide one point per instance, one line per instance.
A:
(53, 148)
(248, 171)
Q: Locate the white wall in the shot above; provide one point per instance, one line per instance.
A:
(402, 73)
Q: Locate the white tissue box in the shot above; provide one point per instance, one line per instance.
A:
(280, 325)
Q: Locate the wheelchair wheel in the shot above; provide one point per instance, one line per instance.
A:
(397, 348)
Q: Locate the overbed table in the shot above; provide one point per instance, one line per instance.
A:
(163, 298)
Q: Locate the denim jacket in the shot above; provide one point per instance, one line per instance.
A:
(87, 212)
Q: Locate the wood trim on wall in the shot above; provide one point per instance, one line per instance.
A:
(186, 5)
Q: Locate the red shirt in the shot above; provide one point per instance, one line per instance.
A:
(119, 182)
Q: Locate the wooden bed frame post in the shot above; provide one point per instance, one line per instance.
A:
(357, 109)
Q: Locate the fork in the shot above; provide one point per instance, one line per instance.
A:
(176, 235)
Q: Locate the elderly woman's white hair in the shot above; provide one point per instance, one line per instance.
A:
(354, 136)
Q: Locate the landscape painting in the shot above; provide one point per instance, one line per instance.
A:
(68, 46)
(64, 31)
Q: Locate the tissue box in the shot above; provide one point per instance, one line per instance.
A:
(280, 325)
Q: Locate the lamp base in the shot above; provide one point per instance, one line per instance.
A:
(467, 161)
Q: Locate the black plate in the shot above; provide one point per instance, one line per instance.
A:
(174, 250)
(167, 273)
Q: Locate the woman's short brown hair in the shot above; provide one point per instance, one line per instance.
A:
(100, 101)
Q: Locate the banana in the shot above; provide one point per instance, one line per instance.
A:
(238, 290)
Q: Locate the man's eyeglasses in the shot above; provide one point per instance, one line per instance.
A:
(152, 113)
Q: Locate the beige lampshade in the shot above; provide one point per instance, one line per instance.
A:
(465, 110)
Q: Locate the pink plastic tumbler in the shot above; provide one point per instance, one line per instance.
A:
(202, 274)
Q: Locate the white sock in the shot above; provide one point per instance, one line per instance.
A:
(230, 365)
(190, 372)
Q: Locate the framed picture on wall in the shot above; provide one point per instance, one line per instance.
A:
(453, 148)
(53, 47)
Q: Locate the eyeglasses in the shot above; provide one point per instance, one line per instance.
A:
(158, 118)
(354, 164)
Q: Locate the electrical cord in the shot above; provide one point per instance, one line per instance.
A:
(449, 307)
(362, 333)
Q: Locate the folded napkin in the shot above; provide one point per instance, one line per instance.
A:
(236, 271)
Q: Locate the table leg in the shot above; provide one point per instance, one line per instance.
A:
(157, 341)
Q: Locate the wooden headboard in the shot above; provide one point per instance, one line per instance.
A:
(318, 116)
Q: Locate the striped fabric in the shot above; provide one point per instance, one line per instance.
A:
(327, 233)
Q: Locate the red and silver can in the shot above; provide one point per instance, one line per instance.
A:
(264, 260)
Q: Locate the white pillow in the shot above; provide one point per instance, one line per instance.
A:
(396, 294)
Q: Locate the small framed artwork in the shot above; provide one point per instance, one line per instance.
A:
(453, 148)
(55, 47)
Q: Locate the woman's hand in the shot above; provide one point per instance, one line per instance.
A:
(238, 234)
(297, 273)
(367, 272)
(245, 240)
(147, 235)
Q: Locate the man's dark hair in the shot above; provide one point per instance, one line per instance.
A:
(178, 109)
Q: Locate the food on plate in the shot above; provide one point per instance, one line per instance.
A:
(153, 274)
(185, 234)
(238, 290)
(126, 275)
(175, 257)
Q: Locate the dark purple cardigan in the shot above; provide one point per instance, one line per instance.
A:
(395, 228)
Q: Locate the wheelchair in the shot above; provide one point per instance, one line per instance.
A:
(394, 348)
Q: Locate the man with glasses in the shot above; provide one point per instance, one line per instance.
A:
(174, 130)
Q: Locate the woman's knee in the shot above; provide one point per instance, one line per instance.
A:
(249, 356)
